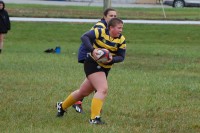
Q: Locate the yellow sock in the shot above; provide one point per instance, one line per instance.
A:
(96, 107)
(68, 102)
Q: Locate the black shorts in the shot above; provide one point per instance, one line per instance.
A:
(91, 66)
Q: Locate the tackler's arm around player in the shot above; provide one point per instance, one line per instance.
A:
(87, 39)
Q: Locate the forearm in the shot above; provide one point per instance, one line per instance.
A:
(120, 56)
(117, 59)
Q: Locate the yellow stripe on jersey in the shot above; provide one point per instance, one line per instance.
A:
(123, 46)
(96, 32)
(102, 44)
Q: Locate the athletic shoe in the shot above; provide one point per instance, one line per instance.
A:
(97, 121)
(60, 112)
(78, 107)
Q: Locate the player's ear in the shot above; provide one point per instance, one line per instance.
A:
(110, 27)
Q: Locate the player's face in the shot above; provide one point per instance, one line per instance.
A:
(110, 15)
(116, 30)
(1, 6)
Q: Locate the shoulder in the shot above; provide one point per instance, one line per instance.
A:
(103, 21)
(121, 38)
(100, 24)
(4, 12)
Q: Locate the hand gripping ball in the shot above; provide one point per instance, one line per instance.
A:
(103, 55)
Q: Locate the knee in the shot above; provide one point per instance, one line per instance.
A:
(103, 90)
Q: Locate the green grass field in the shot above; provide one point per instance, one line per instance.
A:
(96, 12)
(156, 89)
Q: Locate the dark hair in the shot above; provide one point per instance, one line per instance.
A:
(105, 13)
(1, 2)
(114, 21)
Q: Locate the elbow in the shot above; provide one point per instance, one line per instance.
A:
(122, 59)
(82, 38)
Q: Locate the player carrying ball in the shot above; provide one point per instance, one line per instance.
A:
(108, 14)
(96, 73)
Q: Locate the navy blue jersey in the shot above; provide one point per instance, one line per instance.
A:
(83, 52)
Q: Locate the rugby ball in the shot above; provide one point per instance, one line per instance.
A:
(103, 55)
